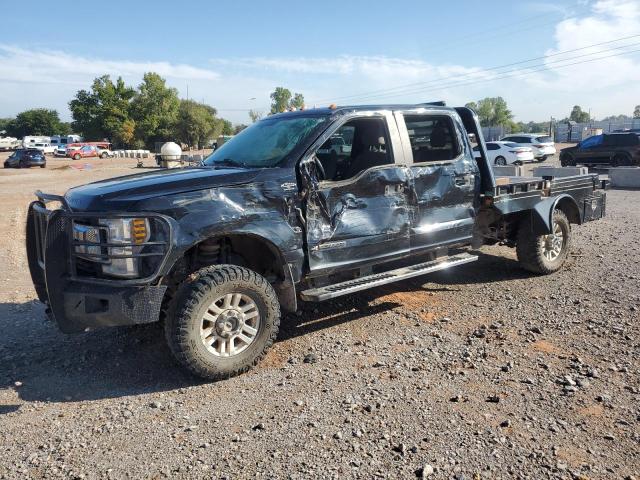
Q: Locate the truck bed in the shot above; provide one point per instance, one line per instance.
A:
(514, 194)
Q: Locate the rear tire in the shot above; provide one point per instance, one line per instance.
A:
(567, 160)
(226, 319)
(42, 166)
(77, 157)
(103, 155)
(542, 159)
(500, 161)
(621, 160)
(544, 254)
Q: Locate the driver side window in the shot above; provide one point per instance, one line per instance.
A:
(356, 146)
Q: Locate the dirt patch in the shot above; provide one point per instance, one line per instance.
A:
(546, 346)
(591, 411)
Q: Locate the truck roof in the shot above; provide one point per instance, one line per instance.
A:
(341, 109)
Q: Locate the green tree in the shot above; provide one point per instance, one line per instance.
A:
(616, 118)
(238, 128)
(197, 123)
(297, 101)
(227, 127)
(254, 115)
(155, 110)
(280, 99)
(578, 115)
(492, 111)
(39, 121)
(127, 132)
(636, 112)
(103, 111)
(4, 122)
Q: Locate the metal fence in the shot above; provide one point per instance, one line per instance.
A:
(564, 133)
(491, 134)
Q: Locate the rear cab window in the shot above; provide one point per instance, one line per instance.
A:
(432, 137)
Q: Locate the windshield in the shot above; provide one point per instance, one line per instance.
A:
(544, 139)
(265, 143)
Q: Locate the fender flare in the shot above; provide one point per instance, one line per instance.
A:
(286, 290)
(542, 212)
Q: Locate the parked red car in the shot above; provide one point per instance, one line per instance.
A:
(82, 152)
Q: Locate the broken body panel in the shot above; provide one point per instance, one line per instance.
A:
(299, 227)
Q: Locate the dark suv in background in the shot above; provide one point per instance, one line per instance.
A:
(25, 158)
(615, 149)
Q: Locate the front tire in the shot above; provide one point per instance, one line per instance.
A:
(544, 254)
(77, 157)
(226, 319)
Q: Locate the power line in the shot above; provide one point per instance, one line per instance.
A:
(514, 73)
(401, 87)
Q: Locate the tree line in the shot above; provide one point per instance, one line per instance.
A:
(152, 112)
(493, 111)
(139, 117)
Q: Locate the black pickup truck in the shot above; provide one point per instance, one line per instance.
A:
(277, 214)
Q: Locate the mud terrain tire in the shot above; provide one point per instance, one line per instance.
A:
(208, 289)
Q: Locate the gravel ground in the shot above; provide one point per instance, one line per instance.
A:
(482, 372)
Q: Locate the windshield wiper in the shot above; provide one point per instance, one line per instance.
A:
(229, 162)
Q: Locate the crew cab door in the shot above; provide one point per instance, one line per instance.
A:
(445, 179)
(357, 212)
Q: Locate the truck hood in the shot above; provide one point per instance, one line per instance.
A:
(121, 193)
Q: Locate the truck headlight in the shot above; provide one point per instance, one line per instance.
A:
(132, 233)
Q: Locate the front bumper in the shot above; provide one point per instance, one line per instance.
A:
(78, 302)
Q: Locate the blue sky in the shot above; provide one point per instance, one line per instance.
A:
(227, 54)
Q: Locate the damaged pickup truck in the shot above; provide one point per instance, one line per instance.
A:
(276, 215)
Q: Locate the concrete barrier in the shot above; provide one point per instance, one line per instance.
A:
(559, 171)
(507, 170)
(625, 177)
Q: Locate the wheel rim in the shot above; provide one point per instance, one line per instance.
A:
(501, 161)
(230, 325)
(553, 243)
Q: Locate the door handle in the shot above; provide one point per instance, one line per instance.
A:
(390, 190)
(464, 179)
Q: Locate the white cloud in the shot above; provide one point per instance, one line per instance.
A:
(43, 66)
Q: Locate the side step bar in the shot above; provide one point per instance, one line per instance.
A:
(350, 286)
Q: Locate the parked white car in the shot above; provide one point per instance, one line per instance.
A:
(45, 148)
(541, 144)
(61, 151)
(105, 152)
(507, 153)
(335, 145)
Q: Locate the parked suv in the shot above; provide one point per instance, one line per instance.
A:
(615, 149)
(542, 145)
(25, 158)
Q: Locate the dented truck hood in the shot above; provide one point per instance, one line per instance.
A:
(123, 193)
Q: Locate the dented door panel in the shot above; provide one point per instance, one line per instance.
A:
(444, 196)
(360, 220)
